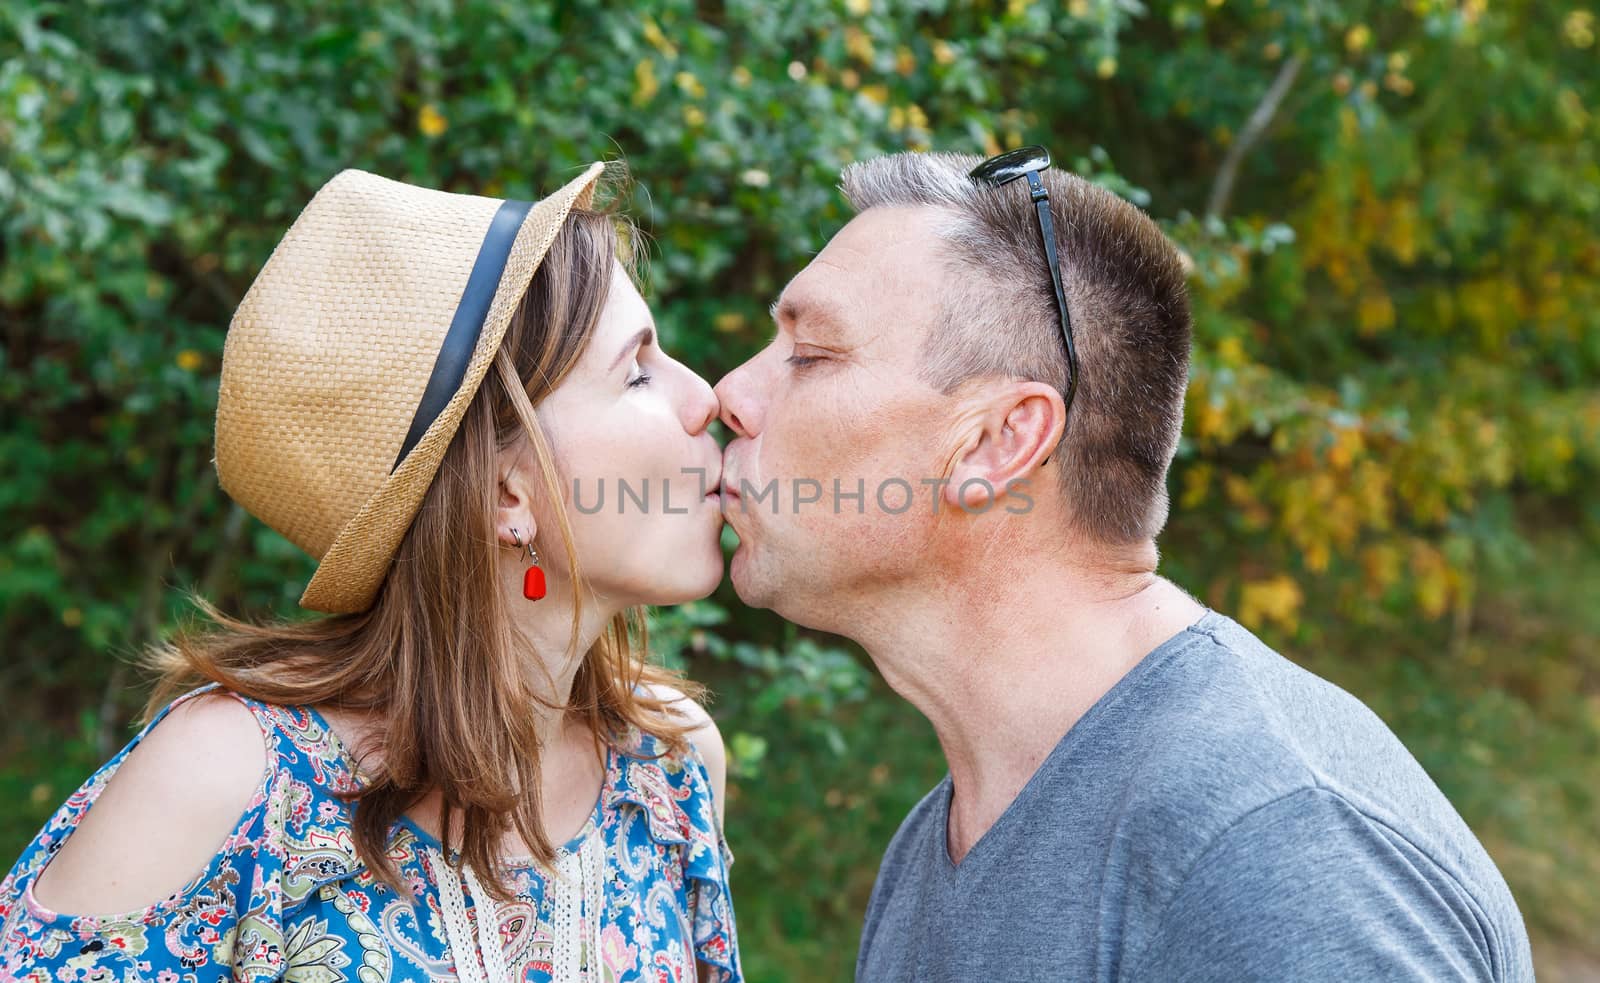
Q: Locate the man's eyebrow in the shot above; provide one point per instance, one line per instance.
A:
(789, 309)
(641, 337)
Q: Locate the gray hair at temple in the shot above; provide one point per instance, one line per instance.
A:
(1129, 306)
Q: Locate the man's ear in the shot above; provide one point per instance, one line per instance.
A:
(1012, 434)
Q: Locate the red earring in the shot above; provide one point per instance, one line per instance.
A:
(533, 579)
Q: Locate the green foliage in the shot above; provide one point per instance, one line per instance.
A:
(1394, 399)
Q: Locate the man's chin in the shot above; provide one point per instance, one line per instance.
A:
(750, 587)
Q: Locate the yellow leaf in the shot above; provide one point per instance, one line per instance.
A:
(1276, 599)
(1400, 235)
(1375, 313)
(1196, 483)
(1209, 420)
(1380, 563)
(658, 40)
(1347, 444)
(689, 85)
(1432, 578)
(430, 121)
(1578, 28)
(858, 44)
(645, 84)
(1398, 84)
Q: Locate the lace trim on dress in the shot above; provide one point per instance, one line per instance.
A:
(577, 893)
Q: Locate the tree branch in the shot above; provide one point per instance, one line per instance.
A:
(1254, 127)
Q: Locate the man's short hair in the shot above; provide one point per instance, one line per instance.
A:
(1130, 321)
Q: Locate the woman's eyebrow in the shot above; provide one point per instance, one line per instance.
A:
(641, 337)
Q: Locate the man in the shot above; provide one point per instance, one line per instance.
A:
(1139, 789)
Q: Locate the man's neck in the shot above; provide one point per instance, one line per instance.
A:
(1004, 674)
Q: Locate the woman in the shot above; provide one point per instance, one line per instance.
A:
(465, 769)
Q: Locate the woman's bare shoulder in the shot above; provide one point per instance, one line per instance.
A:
(703, 732)
(164, 814)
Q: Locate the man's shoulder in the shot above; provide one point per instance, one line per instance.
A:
(1236, 713)
(1246, 740)
(1233, 725)
(1210, 734)
(1272, 879)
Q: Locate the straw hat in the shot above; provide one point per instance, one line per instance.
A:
(353, 356)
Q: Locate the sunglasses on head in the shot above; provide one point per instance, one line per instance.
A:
(997, 172)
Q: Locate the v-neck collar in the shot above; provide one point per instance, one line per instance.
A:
(1131, 680)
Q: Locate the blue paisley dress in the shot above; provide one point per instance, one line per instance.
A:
(287, 897)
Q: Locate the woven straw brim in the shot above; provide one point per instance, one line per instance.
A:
(348, 578)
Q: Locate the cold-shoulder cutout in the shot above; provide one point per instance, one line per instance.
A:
(705, 737)
(287, 895)
(164, 812)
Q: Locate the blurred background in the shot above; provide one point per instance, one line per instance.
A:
(1393, 425)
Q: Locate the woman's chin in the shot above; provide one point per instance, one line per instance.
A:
(689, 584)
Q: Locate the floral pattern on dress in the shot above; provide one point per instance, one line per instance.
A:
(288, 898)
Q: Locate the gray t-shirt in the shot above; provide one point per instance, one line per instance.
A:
(1220, 814)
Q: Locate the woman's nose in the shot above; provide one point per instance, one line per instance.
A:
(703, 406)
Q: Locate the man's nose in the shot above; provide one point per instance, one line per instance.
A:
(739, 410)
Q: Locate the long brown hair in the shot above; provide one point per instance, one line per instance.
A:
(433, 661)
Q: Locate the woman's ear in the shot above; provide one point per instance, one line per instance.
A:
(1013, 436)
(514, 510)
